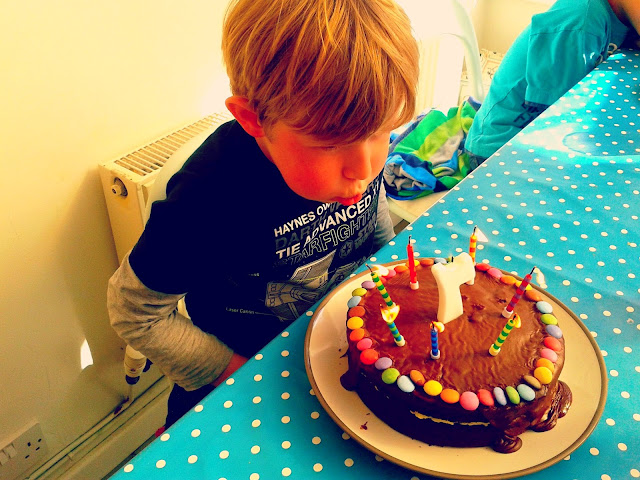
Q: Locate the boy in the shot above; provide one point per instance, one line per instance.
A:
(550, 56)
(317, 87)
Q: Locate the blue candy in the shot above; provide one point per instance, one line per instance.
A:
(526, 392)
(353, 301)
(544, 307)
(554, 331)
(405, 384)
(500, 396)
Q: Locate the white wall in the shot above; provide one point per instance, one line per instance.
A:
(499, 22)
(81, 83)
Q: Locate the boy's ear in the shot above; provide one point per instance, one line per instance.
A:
(245, 115)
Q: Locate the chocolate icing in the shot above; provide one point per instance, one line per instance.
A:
(465, 364)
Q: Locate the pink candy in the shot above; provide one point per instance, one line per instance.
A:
(469, 401)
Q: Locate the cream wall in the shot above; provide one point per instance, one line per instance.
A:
(81, 83)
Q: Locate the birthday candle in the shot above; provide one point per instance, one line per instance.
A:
(512, 322)
(389, 316)
(508, 310)
(435, 352)
(473, 241)
(383, 291)
(413, 277)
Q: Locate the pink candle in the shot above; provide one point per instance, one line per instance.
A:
(413, 277)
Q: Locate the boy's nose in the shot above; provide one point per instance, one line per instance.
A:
(357, 165)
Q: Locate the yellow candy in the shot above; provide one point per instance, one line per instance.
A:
(416, 377)
(543, 374)
(359, 292)
(354, 322)
(439, 326)
(433, 388)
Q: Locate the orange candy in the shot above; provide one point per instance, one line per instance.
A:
(368, 356)
(545, 362)
(401, 268)
(357, 311)
(356, 335)
(449, 395)
(508, 279)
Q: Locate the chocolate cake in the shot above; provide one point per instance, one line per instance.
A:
(484, 385)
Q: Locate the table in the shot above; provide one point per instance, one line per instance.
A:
(563, 193)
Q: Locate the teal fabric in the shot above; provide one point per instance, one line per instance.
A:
(429, 156)
(557, 49)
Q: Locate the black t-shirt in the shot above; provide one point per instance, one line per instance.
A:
(250, 254)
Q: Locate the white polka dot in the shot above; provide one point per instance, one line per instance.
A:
(161, 464)
(622, 447)
(348, 462)
(635, 473)
(286, 471)
(285, 353)
(594, 451)
(611, 422)
(254, 476)
(345, 436)
(195, 433)
(256, 423)
(257, 399)
(285, 419)
(285, 396)
(226, 428)
(285, 374)
(286, 444)
(625, 394)
(230, 381)
(257, 378)
(192, 459)
(224, 454)
(286, 334)
(198, 408)
(316, 440)
(315, 415)
(614, 373)
(627, 350)
(259, 356)
(255, 449)
(128, 468)
(604, 476)
(317, 467)
(227, 404)
(636, 417)
(165, 437)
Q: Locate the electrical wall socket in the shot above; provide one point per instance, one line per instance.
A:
(25, 451)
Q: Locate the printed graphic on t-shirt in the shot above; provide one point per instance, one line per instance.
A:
(318, 247)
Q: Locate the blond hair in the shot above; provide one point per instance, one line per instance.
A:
(338, 69)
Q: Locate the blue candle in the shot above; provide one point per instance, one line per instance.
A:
(435, 353)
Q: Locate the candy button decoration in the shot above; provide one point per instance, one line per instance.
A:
(548, 319)
(356, 335)
(508, 279)
(554, 331)
(390, 375)
(499, 395)
(526, 392)
(383, 363)
(544, 307)
(449, 395)
(368, 284)
(494, 272)
(544, 362)
(364, 344)
(356, 311)
(439, 260)
(368, 357)
(433, 388)
(355, 322)
(533, 381)
(392, 273)
(543, 374)
(401, 268)
(513, 395)
(359, 292)
(469, 401)
(550, 354)
(405, 384)
(482, 267)
(533, 295)
(552, 343)
(354, 301)
(417, 377)
(381, 270)
(485, 398)
(426, 262)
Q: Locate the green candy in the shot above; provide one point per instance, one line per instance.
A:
(514, 396)
(548, 319)
(390, 375)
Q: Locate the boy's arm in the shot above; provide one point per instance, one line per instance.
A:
(150, 322)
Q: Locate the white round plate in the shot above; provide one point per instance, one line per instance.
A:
(584, 372)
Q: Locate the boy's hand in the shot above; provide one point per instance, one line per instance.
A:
(236, 362)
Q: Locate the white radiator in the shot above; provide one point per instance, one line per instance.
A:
(127, 181)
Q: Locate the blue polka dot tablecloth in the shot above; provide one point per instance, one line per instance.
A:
(564, 195)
